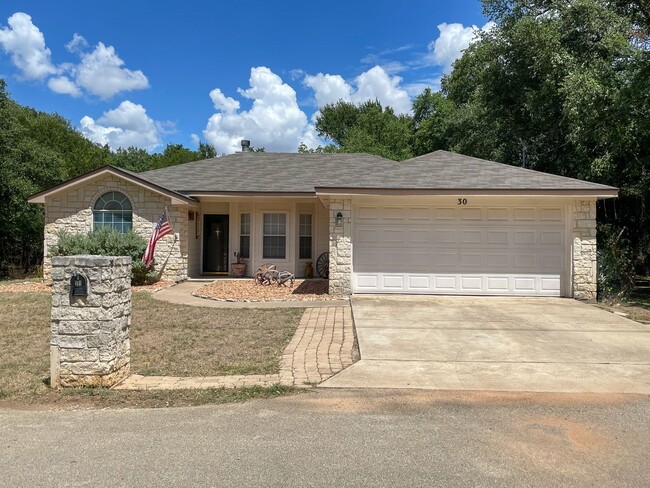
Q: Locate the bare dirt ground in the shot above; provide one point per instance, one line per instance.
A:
(45, 287)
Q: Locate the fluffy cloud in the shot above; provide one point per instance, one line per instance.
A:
(64, 85)
(274, 121)
(223, 103)
(375, 83)
(127, 125)
(328, 88)
(25, 43)
(101, 71)
(452, 41)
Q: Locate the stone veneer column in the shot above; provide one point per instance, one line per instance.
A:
(340, 280)
(584, 250)
(90, 335)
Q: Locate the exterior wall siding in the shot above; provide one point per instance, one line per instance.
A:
(584, 250)
(72, 212)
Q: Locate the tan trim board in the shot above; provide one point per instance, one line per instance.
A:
(253, 194)
(605, 193)
(176, 198)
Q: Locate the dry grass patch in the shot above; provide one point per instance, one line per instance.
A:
(636, 308)
(179, 340)
(165, 338)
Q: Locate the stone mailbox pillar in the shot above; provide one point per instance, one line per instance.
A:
(90, 326)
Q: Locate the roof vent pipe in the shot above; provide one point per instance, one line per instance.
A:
(245, 145)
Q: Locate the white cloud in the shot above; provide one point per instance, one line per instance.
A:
(101, 72)
(125, 126)
(25, 43)
(328, 88)
(452, 41)
(223, 103)
(77, 44)
(274, 121)
(64, 85)
(375, 83)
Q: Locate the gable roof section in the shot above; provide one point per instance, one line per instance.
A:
(176, 198)
(268, 173)
(307, 174)
(444, 171)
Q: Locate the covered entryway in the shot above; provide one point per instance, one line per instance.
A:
(215, 244)
(495, 343)
(465, 248)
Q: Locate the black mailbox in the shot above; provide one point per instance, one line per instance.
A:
(78, 285)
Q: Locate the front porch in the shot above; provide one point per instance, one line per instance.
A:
(288, 232)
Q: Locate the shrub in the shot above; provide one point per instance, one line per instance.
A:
(108, 242)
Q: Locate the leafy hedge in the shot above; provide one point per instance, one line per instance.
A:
(108, 242)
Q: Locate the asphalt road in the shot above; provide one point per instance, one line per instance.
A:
(339, 438)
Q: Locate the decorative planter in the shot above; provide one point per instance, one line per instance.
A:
(238, 270)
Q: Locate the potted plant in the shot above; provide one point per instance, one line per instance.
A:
(238, 269)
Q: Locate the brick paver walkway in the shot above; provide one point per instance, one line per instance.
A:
(322, 346)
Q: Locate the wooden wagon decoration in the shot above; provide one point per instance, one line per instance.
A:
(268, 274)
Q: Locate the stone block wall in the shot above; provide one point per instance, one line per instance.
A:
(584, 250)
(340, 248)
(90, 335)
(72, 212)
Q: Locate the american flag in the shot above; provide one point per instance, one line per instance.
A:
(161, 230)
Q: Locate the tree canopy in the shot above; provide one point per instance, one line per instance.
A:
(39, 150)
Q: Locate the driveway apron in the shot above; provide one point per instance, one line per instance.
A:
(494, 343)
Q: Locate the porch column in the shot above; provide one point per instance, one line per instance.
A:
(584, 250)
(340, 248)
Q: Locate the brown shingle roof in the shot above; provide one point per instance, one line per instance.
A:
(303, 173)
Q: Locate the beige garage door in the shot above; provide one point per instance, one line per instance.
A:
(465, 250)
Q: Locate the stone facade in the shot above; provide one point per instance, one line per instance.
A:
(90, 334)
(340, 278)
(584, 250)
(72, 212)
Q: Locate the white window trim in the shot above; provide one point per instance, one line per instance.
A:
(287, 220)
(306, 260)
(250, 234)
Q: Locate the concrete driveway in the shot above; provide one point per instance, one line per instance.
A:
(493, 343)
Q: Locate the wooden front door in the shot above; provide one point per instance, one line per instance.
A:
(215, 243)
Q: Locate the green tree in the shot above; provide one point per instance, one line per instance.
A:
(367, 127)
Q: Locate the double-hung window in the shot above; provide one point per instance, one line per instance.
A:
(245, 235)
(305, 237)
(274, 244)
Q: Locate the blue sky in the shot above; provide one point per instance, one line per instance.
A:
(145, 73)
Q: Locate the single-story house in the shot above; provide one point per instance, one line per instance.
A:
(441, 223)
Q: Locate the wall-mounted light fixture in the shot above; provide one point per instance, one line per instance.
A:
(339, 218)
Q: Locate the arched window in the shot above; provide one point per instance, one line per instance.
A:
(113, 209)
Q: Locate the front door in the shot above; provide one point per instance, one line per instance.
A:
(215, 243)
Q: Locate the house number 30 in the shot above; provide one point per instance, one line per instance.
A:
(462, 201)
